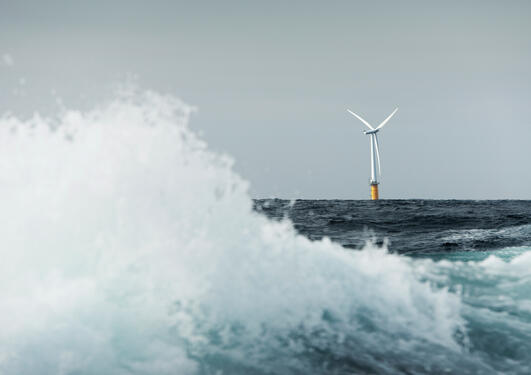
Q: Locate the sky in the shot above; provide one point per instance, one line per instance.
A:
(272, 82)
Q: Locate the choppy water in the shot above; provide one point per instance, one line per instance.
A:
(413, 227)
(129, 248)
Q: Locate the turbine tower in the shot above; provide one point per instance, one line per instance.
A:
(375, 150)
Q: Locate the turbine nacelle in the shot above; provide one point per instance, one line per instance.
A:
(371, 131)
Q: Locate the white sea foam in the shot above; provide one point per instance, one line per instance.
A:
(487, 234)
(128, 247)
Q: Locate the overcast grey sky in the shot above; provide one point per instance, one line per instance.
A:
(272, 81)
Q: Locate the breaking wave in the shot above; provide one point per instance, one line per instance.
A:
(130, 248)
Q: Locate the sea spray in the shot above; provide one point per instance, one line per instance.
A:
(130, 248)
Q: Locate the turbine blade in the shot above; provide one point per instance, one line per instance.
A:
(361, 119)
(387, 119)
(377, 153)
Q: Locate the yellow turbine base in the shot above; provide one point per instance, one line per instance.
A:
(374, 192)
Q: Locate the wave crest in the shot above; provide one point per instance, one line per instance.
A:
(129, 247)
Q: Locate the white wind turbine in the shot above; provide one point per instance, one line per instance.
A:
(375, 150)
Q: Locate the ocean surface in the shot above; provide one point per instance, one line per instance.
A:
(436, 228)
(129, 247)
(467, 242)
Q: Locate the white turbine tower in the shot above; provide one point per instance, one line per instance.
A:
(375, 150)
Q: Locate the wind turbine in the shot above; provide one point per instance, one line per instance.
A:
(375, 150)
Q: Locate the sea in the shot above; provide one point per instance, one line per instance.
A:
(128, 246)
(477, 251)
(449, 229)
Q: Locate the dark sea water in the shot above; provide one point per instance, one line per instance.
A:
(413, 227)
